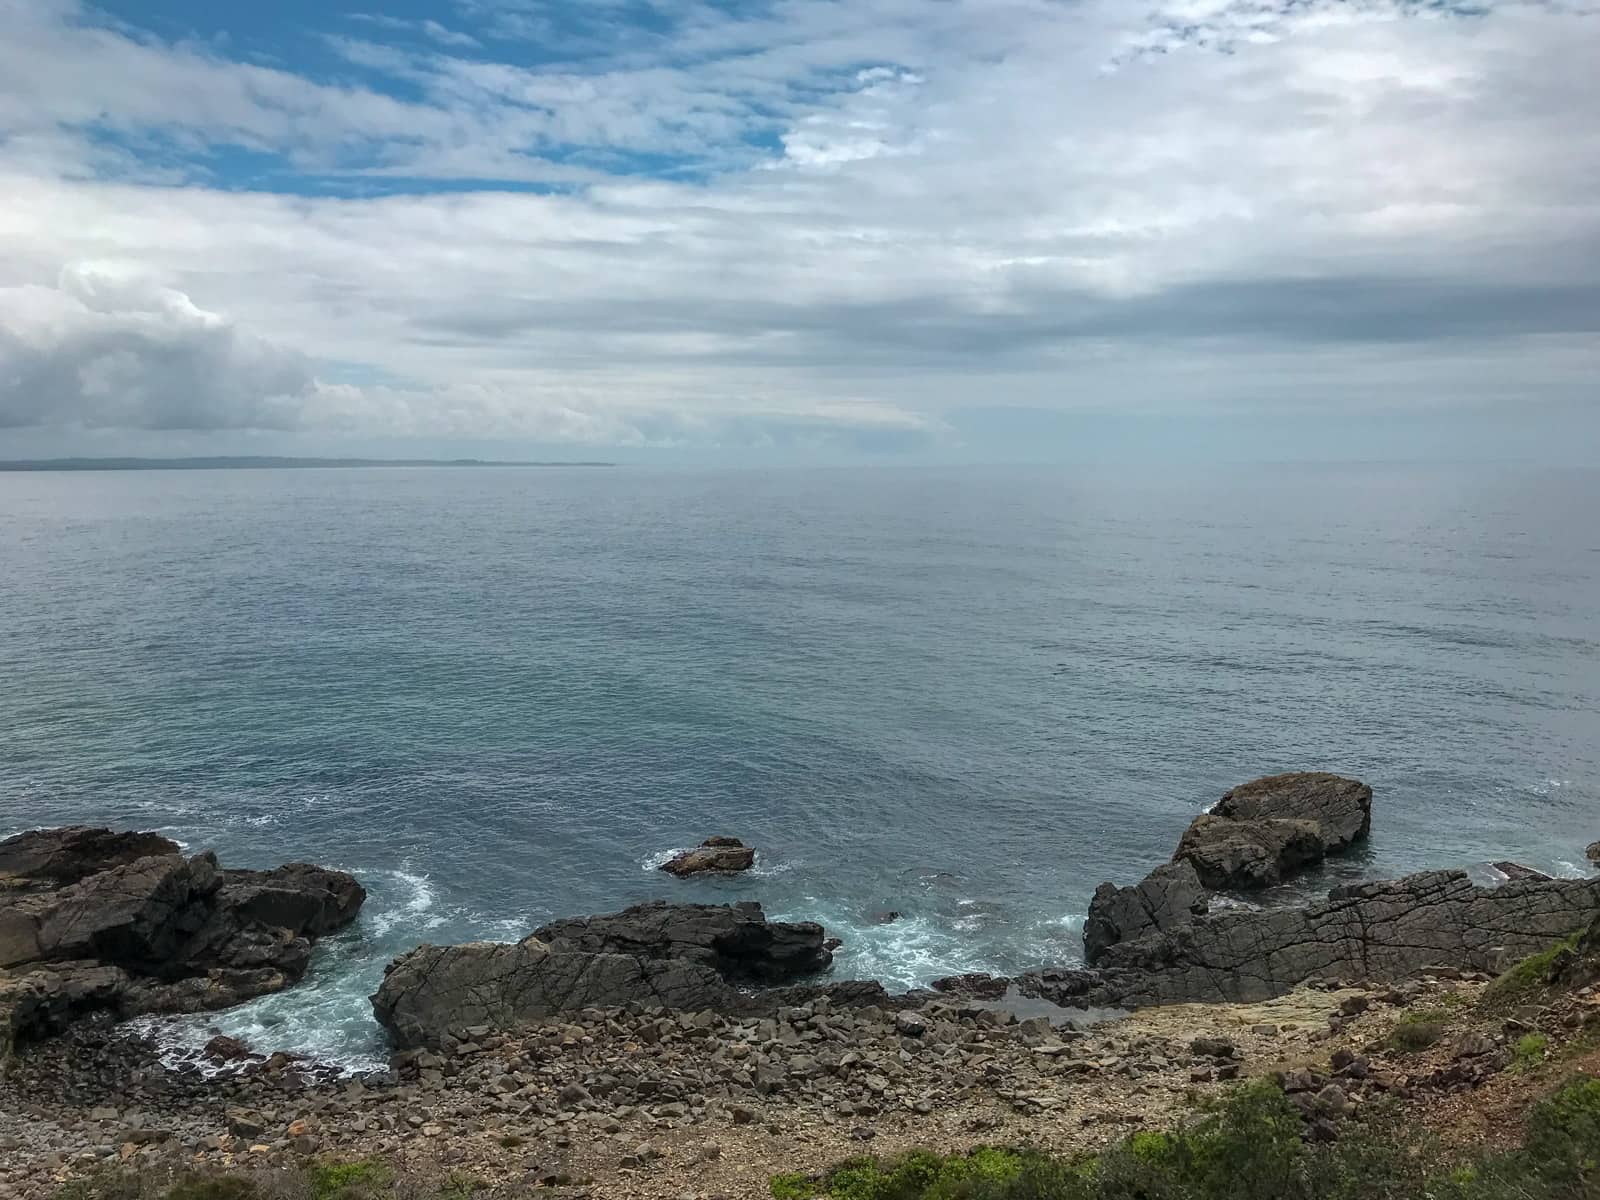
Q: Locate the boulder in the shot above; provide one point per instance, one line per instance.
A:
(1262, 832)
(56, 857)
(92, 918)
(1375, 932)
(1170, 895)
(1515, 870)
(717, 854)
(1341, 808)
(735, 940)
(685, 957)
(1592, 852)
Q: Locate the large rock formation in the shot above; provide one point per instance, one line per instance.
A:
(1371, 931)
(716, 855)
(1171, 895)
(1257, 835)
(1263, 831)
(690, 957)
(93, 919)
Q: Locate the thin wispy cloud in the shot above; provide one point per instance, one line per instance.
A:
(682, 224)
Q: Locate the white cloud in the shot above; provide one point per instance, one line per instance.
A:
(891, 209)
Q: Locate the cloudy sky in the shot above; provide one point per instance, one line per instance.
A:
(755, 229)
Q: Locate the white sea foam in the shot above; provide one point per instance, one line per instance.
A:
(654, 862)
(415, 911)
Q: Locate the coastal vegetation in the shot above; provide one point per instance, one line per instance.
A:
(1250, 1145)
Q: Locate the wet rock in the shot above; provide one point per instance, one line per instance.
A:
(1170, 895)
(715, 854)
(89, 922)
(680, 957)
(973, 986)
(1375, 932)
(1512, 870)
(1262, 832)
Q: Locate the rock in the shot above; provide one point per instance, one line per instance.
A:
(1213, 1047)
(973, 986)
(54, 858)
(1261, 832)
(887, 917)
(681, 957)
(910, 1024)
(1592, 852)
(1513, 870)
(723, 854)
(223, 1048)
(1376, 932)
(736, 940)
(1353, 1006)
(1170, 895)
(88, 921)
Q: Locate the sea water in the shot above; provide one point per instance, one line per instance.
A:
(504, 695)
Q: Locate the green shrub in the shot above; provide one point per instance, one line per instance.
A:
(217, 1187)
(1528, 977)
(359, 1180)
(1418, 1030)
(1529, 1051)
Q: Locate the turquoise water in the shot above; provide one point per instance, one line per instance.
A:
(503, 695)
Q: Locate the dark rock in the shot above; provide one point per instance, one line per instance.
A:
(1261, 832)
(736, 940)
(1592, 852)
(1170, 895)
(1213, 1047)
(86, 922)
(973, 986)
(57, 857)
(717, 854)
(1377, 932)
(1513, 870)
(681, 957)
(1248, 855)
(1341, 808)
(887, 917)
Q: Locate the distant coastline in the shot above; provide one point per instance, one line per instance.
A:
(262, 463)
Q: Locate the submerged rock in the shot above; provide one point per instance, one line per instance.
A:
(1263, 831)
(715, 854)
(687, 957)
(95, 919)
(1514, 870)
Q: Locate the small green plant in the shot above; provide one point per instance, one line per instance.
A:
(1418, 1030)
(217, 1187)
(363, 1179)
(792, 1185)
(1528, 1053)
(1528, 977)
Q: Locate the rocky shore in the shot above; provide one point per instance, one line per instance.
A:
(688, 1050)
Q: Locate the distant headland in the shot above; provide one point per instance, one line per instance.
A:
(261, 463)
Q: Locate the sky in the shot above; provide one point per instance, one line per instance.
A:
(802, 230)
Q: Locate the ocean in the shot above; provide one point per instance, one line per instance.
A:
(501, 695)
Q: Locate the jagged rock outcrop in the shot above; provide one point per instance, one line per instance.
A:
(1263, 831)
(690, 957)
(1592, 852)
(1169, 896)
(95, 919)
(716, 855)
(735, 940)
(1372, 931)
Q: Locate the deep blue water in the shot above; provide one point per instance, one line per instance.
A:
(969, 695)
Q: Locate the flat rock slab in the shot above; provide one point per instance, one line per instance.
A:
(682, 957)
(1374, 932)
